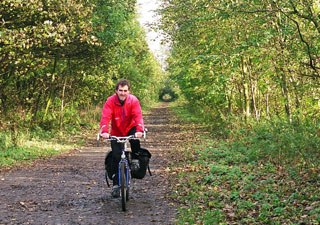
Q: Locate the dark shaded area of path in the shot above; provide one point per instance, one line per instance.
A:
(71, 189)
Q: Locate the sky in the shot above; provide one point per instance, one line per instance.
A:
(147, 15)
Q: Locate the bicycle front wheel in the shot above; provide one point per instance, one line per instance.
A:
(128, 184)
(124, 186)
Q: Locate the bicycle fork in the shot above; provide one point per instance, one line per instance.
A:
(123, 160)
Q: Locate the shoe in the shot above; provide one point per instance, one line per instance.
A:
(115, 191)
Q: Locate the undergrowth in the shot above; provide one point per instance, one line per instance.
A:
(23, 143)
(251, 172)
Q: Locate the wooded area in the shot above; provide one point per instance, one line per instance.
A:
(254, 58)
(58, 57)
(250, 70)
(251, 65)
(245, 75)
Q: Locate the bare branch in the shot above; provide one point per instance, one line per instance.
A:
(311, 60)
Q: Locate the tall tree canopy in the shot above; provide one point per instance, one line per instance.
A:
(65, 53)
(252, 58)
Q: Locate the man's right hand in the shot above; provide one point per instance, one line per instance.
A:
(105, 135)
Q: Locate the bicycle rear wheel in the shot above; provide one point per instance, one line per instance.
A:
(124, 186)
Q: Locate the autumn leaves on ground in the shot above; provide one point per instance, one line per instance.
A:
(199, 177)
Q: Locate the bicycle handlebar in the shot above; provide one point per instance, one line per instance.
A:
(121, 139)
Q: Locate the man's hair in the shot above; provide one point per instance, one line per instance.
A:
(123, 82)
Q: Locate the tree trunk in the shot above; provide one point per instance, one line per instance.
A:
(240, 99)
(286, 95)
(62, 103)
(253, 92)
(267, 103)
(50, 96)
(245, 89)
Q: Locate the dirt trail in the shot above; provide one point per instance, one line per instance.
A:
(71, 189)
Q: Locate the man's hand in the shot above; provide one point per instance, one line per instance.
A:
(138, 134)
(105, 135)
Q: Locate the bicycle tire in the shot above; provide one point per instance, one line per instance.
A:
(123, 181)
(128, 186)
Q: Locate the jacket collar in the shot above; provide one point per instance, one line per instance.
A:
(116, 100)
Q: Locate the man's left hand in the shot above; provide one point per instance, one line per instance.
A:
(138, 134)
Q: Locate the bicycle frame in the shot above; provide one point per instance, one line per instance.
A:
(126, 161)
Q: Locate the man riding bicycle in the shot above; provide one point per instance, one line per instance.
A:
(124, 112)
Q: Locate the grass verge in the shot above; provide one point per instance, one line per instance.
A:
(36, 144)
(25, 144)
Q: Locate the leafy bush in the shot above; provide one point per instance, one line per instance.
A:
(281, 142)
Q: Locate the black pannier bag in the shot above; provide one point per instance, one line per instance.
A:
(138, 170)
(143, 156)
(108, 165)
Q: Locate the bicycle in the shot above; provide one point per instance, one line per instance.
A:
(124, 166)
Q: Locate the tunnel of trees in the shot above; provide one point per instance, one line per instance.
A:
(167, 94)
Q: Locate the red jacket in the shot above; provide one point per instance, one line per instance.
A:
(123, 118)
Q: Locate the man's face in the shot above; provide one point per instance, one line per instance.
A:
(122, 92)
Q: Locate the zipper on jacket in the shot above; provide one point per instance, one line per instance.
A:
(122, 114)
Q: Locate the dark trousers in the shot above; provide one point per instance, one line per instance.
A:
(116, 154)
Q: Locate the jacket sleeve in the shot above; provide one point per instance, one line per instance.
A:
(106, 116)
(137, 115)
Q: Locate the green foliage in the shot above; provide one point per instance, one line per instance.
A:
(279, 141)
(17, 155)
(60, 57)
(46, 139)
(250, 71)
(255, 175)
(31, 144)
(258, 59)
